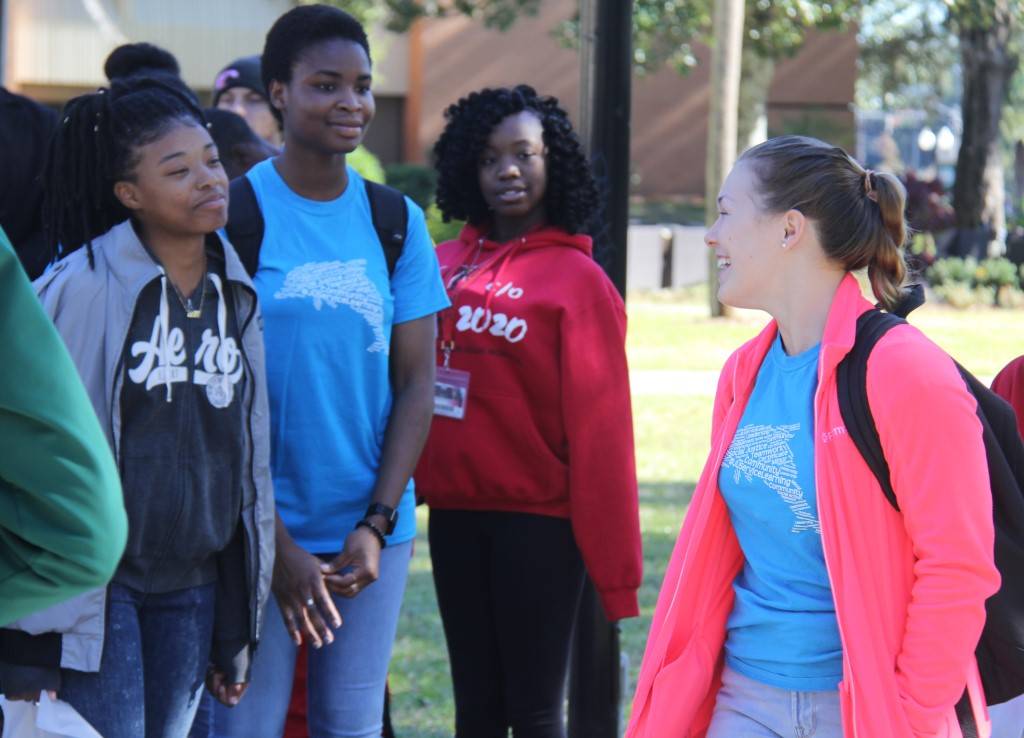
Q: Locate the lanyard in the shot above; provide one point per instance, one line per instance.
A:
(463, 277)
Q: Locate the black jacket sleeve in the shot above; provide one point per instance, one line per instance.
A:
(232, 645)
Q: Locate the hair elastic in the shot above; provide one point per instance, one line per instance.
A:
(869, 188)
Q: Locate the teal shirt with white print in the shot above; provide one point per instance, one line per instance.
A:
(329, 307)
(782, 630)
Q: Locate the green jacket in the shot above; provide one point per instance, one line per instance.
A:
(62, 520)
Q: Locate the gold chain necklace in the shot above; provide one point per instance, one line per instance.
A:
(186, 303)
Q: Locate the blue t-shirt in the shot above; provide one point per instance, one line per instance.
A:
(328, 308)
(782, 630)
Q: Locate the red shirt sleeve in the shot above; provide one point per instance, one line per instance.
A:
(603, 502)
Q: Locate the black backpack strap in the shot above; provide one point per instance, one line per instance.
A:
(852, 388)
(245, 223)
(390, 219)
(965, 716)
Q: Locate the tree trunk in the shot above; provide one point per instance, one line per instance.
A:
(755, 80)
(722, 122)
(1018, 177)
(988, 66)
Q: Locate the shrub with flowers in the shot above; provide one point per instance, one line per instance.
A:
(964, 282)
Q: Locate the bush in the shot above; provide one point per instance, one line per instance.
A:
(952, 270)
(961, 295)
(1010, 297)
(415, 180)
(367, 164)
(439, 230)
(997, 272)
(966, 282)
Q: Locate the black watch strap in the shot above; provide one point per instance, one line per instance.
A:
(389, 514)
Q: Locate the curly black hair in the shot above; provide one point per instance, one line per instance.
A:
(571, 198)
(296, 31)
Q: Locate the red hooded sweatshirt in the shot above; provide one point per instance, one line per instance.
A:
(548, 425)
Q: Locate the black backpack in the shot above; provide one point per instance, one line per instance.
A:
(1000, 650)
(245, 222)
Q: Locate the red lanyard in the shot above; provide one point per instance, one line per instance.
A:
(462, 278)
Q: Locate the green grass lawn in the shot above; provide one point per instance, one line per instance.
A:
(667, 331)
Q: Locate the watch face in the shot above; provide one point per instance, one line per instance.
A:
(389, 514)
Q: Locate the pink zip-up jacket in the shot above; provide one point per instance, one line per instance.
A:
(909, 586)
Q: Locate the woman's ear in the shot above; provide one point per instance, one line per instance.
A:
(128, 194)
(795, 228)
(278, 95)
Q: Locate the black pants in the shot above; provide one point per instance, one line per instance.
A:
(508, 585)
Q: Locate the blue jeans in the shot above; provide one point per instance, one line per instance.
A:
(346, 679)
(749, 708)
(155, 653)
(1008, 719)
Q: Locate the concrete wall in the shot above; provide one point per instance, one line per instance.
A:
(644, 269)
(56, 48)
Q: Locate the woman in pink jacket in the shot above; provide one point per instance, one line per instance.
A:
(798, 601)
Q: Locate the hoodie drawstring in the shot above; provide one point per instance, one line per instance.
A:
(446, 318)
(501, 270)
(222, 322)
(165, 320)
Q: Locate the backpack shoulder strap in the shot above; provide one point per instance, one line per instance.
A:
(390, 219)
(852, 389)
(245, 223)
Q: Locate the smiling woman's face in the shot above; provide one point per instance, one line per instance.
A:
(178, 184)
(747, 241)
(328, 104)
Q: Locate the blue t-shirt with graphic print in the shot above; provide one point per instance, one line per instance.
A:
(782, 630)
(328, 308)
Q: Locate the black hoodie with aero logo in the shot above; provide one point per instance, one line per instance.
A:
(181, 424)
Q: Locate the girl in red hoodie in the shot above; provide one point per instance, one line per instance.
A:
(529, 469)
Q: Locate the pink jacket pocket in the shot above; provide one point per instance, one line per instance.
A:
(678, 691)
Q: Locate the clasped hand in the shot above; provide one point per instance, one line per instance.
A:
(303, 585)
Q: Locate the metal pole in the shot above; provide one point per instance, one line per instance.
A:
(607, 124)
(606, 44)
(588, 34)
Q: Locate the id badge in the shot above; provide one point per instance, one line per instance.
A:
(451, 391)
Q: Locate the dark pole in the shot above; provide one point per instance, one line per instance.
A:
(606, 29)
(607, 128)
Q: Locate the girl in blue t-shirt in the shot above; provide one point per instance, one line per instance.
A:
(350, 376)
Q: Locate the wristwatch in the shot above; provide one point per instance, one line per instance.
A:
(389, 514)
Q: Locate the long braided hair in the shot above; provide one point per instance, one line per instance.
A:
(95, 146)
